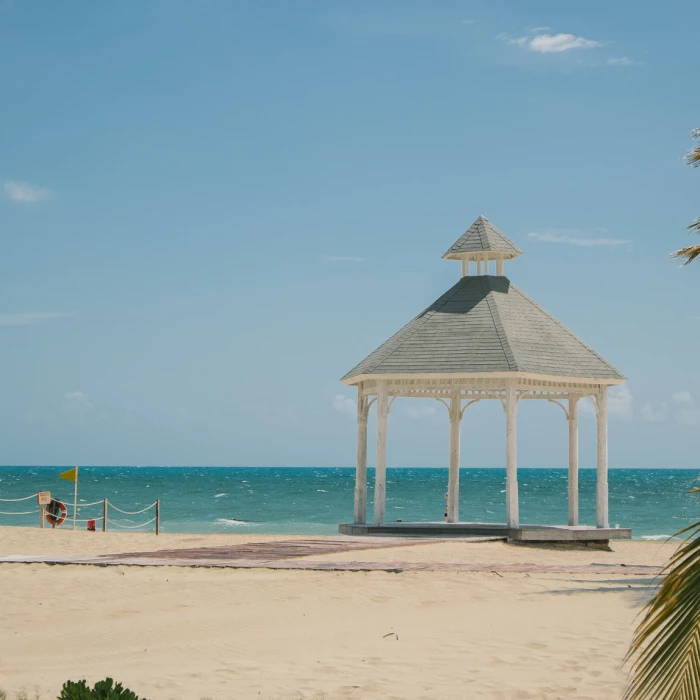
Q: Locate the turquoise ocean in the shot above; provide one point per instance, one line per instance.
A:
(654, 502)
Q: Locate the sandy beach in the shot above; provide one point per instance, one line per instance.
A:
(176, 632)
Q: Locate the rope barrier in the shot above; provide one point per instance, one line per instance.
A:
(26, 512)
(34, 495)
(131, 527)
(131, 512)
(70, 514)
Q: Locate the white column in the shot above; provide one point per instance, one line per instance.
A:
(573, 459)
(380, 467)
(602, 485)
(453, 483)
(361, 468)
(465, 267)
(512, 515)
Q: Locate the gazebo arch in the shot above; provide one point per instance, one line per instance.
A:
(484, 339)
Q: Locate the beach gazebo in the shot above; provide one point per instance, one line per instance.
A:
(484, 339)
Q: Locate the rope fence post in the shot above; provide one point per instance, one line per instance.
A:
(158, 516)
(104, 515)
(75, 497)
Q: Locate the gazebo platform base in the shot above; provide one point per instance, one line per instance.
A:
(524, 533)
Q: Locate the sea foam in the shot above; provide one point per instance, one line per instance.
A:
(232, 522)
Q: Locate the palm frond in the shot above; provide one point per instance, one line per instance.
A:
(666, 645)
(691, 252)
(693, 156)
(687, 254)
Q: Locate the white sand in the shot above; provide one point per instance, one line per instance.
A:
(171, 632)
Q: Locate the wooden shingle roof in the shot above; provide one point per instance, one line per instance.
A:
(485, 324)
(483, 237)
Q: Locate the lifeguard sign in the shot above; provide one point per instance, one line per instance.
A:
(43, 499)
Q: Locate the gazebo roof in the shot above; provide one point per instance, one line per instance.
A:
(485, 324)
(483, 237)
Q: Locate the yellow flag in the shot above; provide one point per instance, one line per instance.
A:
(70, 475)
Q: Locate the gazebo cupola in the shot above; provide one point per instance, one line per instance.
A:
(484, 339)
(482, 243)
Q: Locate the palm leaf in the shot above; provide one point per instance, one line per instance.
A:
(693, 156)
(691, 252)
(666, 645)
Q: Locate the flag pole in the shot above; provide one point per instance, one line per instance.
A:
(75, 497)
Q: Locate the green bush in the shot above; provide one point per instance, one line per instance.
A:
(103, 690)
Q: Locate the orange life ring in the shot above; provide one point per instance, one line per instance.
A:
(56, 513)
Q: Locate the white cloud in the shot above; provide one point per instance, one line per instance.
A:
(620, 402)
(683, 397)
(24, 192)
(344, 258)
(551, 43)
(522, 41)
(621, 61)
(648, 413)
(80, 398)
(344, 404)
(468, 21)
(556, 43)
(77, 407)
(688, 416)
(565, 236)
(30, 319)
(419, 410)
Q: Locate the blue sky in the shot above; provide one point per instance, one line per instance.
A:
(211, 211)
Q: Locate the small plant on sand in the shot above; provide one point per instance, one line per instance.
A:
(103, 690)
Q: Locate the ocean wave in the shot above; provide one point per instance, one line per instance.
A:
(656, 537)
(219, 495)
(232, 522)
